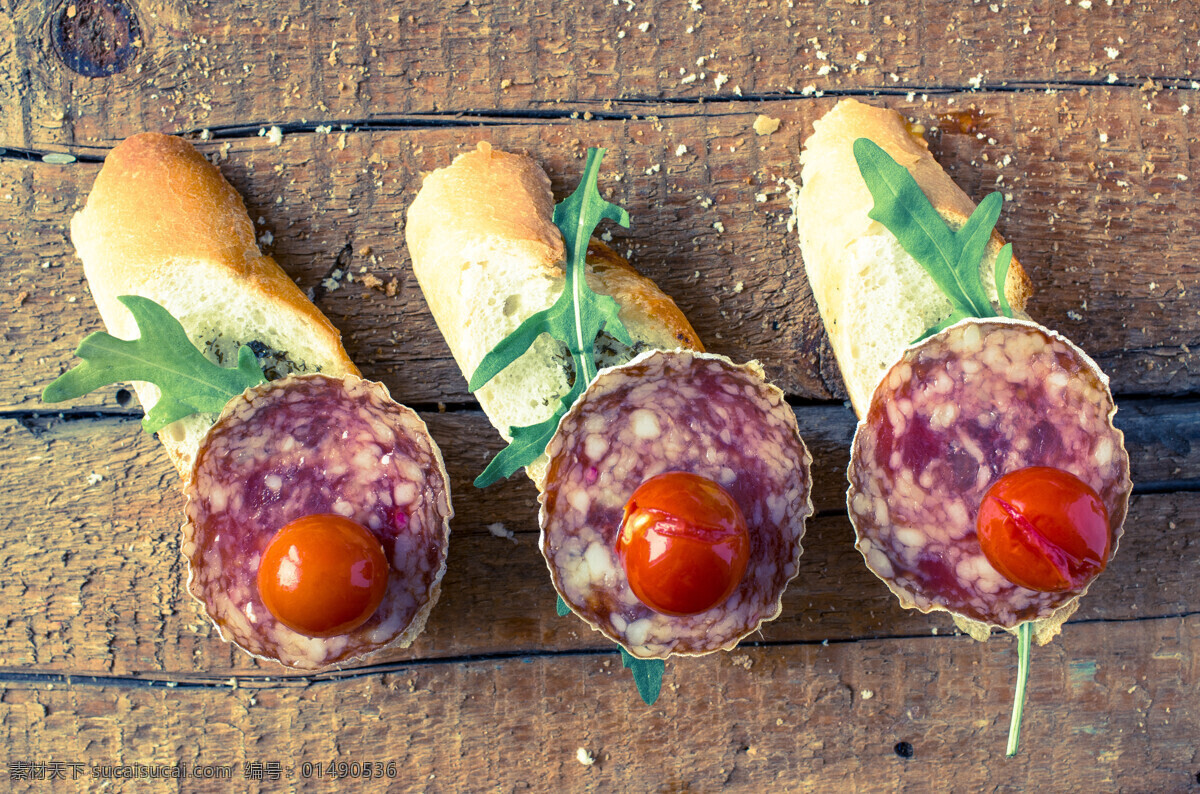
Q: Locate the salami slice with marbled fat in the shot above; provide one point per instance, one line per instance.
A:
(307, 445)
(960, 410)
(674, 411)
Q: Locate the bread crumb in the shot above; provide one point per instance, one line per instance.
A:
(22, 296)
(498, 530)
(505, 84)
(95, 479)
(741, 660)
(866, 694)
(681, 150)
(275, 135)
(765, 125)
(584, 757)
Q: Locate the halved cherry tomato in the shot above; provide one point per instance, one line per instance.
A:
(1044, 529)
(683, 542)
(323, 575)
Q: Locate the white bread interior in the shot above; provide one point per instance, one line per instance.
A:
(487, 255)
(873, 297)
(161, 222)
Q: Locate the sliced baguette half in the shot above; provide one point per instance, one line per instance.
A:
(161, 222)
(487, 255)
(873, 297)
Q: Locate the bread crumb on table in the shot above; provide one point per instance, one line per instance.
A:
(583, 756)
(765, 125)
(499, 530)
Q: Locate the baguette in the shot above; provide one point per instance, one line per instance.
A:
(487, 255)
(161, 222)
(873, 297)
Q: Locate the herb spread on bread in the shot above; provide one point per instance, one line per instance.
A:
(163, 355)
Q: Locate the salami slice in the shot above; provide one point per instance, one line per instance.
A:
(960, 410)
(661, 412)
(308, 445)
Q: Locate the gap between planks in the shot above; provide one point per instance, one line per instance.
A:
(32, 679)
(515, 117)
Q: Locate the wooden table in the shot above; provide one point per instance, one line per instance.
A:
(1084, 114)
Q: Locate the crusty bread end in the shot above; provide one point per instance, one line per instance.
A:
(161, 222)
(487, 255)
(873, 297)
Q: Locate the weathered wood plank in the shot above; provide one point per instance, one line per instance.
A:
(1107, 240)
(1107, 709)
(211, 65)
(95, 582)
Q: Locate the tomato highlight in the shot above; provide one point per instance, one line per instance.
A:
(683, 543)
(1044, 529)
(323, 575)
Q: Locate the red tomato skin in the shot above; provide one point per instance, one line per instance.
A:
(323, 575)
(1044, 529)
(684, 543)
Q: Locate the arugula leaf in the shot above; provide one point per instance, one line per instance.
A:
(575, 319)
(647, 675)
(162, 355)
(950, 258)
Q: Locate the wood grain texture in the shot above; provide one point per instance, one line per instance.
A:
(217, 65)
(1083, 113)
(710, 225)
(782, 718)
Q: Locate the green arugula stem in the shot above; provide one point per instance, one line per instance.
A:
(1024, 637)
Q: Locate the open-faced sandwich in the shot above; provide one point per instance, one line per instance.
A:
(674, 483)
(317, 508)
(986, 477)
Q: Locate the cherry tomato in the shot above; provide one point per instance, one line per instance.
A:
(1044, 529)
(323, 575)
(683, 542)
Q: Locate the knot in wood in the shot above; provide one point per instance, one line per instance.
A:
(96, 38)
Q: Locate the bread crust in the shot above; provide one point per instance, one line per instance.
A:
(831, 212)
(161, 222)
(487, 255)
